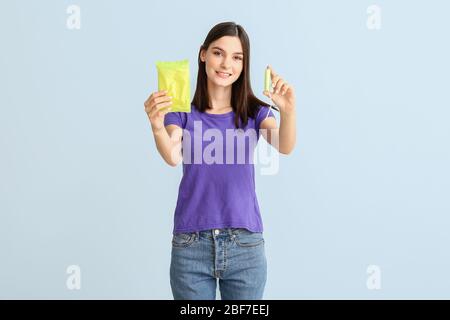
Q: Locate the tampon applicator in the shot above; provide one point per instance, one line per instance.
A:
(267, 81)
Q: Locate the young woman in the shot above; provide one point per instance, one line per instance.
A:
(218, 231)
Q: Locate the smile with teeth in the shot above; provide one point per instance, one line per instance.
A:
(223, 74)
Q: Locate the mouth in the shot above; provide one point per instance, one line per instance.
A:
(223, 75)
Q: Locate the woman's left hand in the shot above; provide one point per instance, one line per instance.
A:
(283, 94)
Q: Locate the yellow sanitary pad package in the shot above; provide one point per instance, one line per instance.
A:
(173, 76)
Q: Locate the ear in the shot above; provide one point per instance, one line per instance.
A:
(202, 55)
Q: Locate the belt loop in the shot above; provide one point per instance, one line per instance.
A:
(197, 234)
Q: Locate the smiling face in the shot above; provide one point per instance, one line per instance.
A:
(224, 60)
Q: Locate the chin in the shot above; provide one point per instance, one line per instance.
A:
(223, 84)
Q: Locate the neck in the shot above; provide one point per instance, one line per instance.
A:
(219, 96)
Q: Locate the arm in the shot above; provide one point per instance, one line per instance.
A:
(283, 139)
(167, 138)
(168, 143)
(283, 95)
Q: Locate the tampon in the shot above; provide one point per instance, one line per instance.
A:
(267, 88)
(267, 80)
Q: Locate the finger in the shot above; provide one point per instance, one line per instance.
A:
(272, 72)
(163, 105)
(284, 89)
(164, 111)
(279, 84)
(160, 93)
(159, 106)
(155, 95)
(153, 112)
(156, 101)
(275, 81)
(162, 99)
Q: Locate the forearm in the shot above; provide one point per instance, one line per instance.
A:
(167, 147)
(287, 131)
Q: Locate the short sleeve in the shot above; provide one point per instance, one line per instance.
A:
(263, 113)
(177, 118)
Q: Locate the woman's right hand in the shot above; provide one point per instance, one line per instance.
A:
(153, 105)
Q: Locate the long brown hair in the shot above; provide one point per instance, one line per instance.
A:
(244, 103)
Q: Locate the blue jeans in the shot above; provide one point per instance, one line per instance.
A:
(234, 256)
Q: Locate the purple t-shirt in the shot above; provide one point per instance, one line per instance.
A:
(217, 189)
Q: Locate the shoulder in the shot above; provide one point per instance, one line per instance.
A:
(264, 117)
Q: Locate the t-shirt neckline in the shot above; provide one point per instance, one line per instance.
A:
(218, 115)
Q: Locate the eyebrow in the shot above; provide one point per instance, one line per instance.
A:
(225, 51)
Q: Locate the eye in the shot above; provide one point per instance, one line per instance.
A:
(239, 58)
(216, 52)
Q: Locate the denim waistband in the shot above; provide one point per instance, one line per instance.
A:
(218, 232)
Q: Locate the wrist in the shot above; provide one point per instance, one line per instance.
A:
(287, 112)
(157, 131)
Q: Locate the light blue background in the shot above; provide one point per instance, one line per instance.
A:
(81, 181)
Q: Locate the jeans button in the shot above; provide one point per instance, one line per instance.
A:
(216, 232)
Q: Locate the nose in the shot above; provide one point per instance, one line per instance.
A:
(226, 64)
